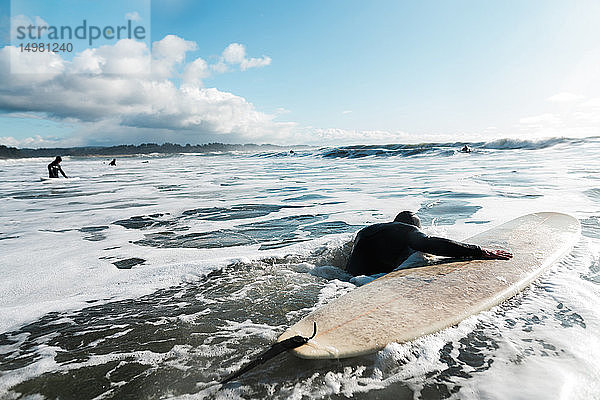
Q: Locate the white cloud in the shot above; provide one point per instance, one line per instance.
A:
(195, 71)
(282, 110)
(17, 21)
(255, 63)
(106, 96)
(173, 48)
(105, 90)
(347, 112)
(235, 54)
(168, 53)
(21, 20)
(40, 22)
(579, 119)
(126, 57)
(134, 16)
(36, 141)
(337, 137)
(10, 141)
(220, 67)
(26, 68)
(565, 97)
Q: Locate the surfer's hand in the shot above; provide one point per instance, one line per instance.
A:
(495, 254)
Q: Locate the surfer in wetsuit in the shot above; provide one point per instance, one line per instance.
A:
(466, 149)
(113, 162)
(54, 168)
(383, 247)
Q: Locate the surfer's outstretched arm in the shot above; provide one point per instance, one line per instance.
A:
(419, 241)
(62, 172)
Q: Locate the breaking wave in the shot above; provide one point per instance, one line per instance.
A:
(428, 149)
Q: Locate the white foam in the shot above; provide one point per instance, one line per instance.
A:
(47, 265)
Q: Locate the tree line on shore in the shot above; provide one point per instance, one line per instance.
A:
(129, 149)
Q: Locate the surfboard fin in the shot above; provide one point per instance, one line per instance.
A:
(274, 350)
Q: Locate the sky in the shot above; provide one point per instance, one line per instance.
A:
(327, 72)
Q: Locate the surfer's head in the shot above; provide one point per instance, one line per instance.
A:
(57, 159)
(408, 217)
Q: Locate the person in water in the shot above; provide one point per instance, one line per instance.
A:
(113, 162)
(54, 168)
(466, 149)
(381, 248)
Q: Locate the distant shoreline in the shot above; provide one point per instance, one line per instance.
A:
(132, 150)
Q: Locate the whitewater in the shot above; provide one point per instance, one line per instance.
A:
(160, 276)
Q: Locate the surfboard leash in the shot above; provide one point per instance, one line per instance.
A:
(274, 350)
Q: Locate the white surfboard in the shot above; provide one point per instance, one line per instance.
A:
(406, 304)
(45, 179)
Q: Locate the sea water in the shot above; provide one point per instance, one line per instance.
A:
(160, 276)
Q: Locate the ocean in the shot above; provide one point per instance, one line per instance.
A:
(157, 278)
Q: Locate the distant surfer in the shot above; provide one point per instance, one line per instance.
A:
(54, 168)
(466, 149)
(381, 248)
(113, 162)
(292, 152)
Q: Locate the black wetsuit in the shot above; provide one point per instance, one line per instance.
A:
(383, 247)
(53, 170)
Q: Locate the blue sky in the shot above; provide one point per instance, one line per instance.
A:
(355, 71)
